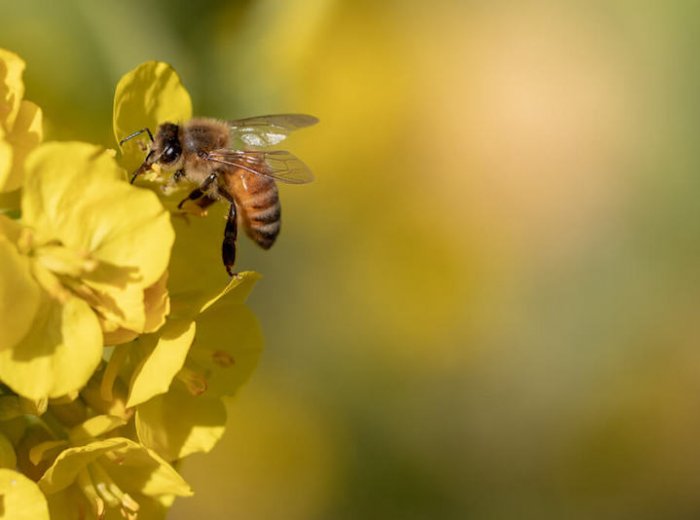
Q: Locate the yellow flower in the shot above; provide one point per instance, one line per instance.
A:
(191, 416)
(147, 96)
(112, 474)
(156, 306)
(20, 122)
(176, 378)
(21, 498)
(87, 263)
(78, 263)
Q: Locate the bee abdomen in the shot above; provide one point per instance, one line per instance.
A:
(264, 234)
(262, 213)
(263, 225)
(268, 215)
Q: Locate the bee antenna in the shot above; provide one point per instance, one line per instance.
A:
(137, 133)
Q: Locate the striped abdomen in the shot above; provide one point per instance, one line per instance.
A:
(258, 206)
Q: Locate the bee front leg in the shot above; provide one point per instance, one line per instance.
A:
(228, 247)
(178, 175)
(199, 192)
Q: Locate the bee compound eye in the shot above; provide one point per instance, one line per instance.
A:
(169, 155)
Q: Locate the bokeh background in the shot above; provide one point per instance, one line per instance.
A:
(486, 304)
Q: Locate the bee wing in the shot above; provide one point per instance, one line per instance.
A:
(277, 164)
(262, 131)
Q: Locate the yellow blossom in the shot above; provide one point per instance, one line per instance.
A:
(21, 498)
(191, 416)
(157, 358)
(162, 356)
(85, 262)
(20, 122)
(111, 474)
(156, 306)
(176, 383)
(145, 97)
(79, 262)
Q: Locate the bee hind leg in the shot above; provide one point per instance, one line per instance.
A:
(228, 247)
(205, 202)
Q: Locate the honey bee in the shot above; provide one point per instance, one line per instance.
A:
(227, 160)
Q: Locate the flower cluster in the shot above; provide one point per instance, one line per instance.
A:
(119, 339)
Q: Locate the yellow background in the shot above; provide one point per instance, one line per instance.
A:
(485, 305)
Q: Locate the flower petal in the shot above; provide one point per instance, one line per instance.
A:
(163, 356)
(140, 470)
(95, 427)
(63, 506)
(145, 97)
(227, 347)
(58, 355)
(68, 464)
(19, 294)
(156, 301)
(135, 469)
(156, 304)
(6, 155)
(11, 87)
(178, 424)
(74, 193)
(193, 302)
(118, 298)
(26, 134)
(21, 498)
(198, 243)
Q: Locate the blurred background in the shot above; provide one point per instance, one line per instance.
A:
(485, 305)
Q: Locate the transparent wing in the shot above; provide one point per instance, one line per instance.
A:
(262, 131)
(278, 164)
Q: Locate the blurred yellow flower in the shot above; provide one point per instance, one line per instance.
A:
(175, 383)
(191, 416)
(20, 122)
(115, 473)
(150, 362)
(79, 262)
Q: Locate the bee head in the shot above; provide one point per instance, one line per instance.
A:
(167, 147)
(165, 150)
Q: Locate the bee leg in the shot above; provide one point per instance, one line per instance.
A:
(178, 175)
(205, 202)
(199, 192)
(228, 247)
(145, 166)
